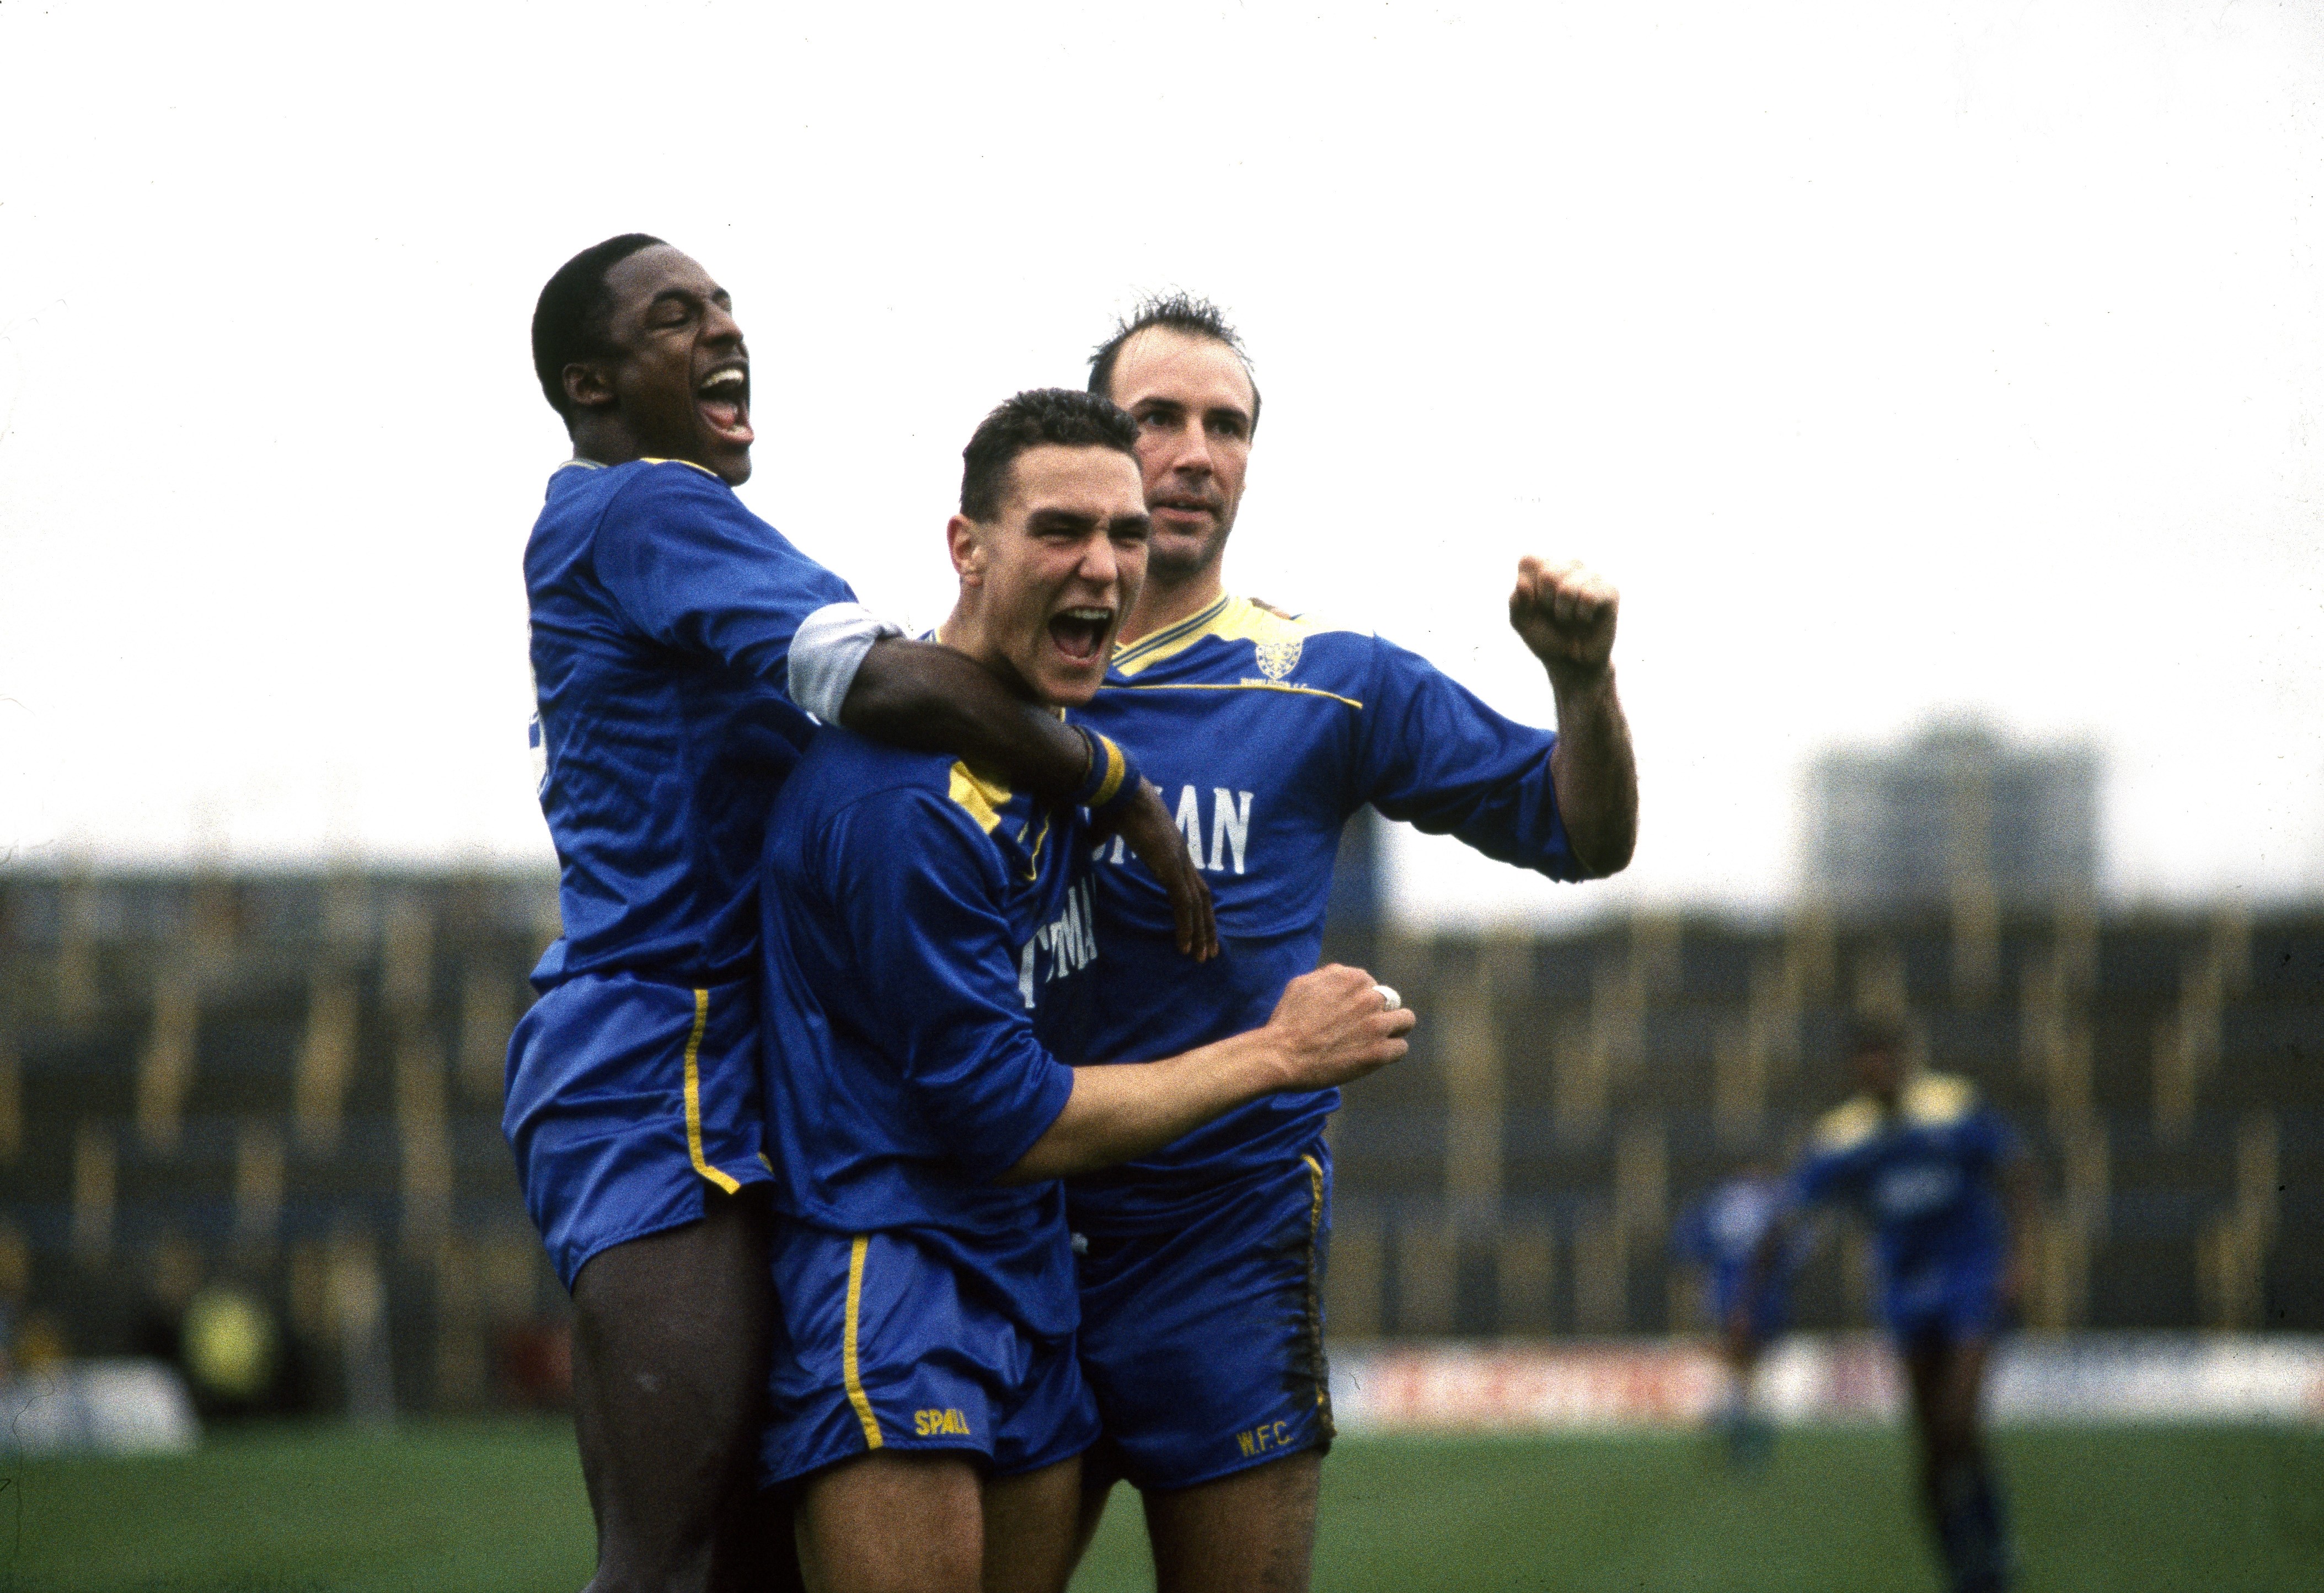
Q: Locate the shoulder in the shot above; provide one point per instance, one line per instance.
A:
(1846, 1127)
(1938, 1101)
(1248, 642)
(651, 492)
(841, 768)
(647, 480)
(887, 798)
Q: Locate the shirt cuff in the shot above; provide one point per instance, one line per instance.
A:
(828, 650)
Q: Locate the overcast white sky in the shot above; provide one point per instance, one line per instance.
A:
(1891, 358)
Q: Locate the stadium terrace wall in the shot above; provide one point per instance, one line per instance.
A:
(293, 1082)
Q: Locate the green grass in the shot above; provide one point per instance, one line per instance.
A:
(498, 1507)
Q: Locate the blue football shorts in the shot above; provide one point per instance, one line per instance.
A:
(895, 1340)
(1771, 1313)
(627, 1099)
(1205, 1344)
(1950, 1299)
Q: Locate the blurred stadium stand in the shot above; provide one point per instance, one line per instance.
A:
(292, 1084)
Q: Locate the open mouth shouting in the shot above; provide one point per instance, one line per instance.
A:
(1082, 632)
(723, 399)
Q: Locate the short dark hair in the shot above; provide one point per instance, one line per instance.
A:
(1177, 312)
(1877, 1034)
(572, 319)
(1056, 415)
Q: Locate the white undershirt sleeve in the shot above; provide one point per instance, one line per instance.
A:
(828, 650)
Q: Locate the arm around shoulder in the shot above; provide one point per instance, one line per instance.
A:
(926, 696)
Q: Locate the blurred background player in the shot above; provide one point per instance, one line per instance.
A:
(1950, 1193)
(1202, 1331)
(663, 614)
(930, 955)
(1719, 1236)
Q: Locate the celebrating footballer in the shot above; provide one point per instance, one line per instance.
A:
(924, 1102)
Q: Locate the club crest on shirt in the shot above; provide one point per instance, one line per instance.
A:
(1279, 658)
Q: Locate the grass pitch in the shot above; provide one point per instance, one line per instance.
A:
(498, 1507)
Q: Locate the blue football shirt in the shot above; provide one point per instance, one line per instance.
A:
(1923, 1178)
(1265, 733)
(1721, 1233)
(929, 942)
(662, 618)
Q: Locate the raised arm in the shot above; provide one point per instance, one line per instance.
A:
(925, 696)
(1331, 1026)
(1566, 615)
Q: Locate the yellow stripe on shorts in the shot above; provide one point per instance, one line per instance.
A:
(694, 1096)
(847, 1366)
(1314, 1230)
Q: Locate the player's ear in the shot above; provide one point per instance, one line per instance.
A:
(588, 386)
(965, 540)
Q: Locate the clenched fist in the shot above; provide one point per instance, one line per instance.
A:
(1335, 1025)
(1565, 614)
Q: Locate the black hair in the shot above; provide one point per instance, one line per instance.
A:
(571, 321)
(1177, 312)
(1875, 1034)
(1055, 415)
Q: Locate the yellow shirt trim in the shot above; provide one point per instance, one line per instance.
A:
(1929, 1101)
(689, 464)
(1230, 618)
(1174, 638)
(1935, 1100)
(1302, 691)
(982, 797)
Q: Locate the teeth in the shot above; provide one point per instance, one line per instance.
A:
(1097, 616)
(725, 379)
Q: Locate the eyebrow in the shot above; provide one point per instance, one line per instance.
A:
(1177, 408)
(1069, 520)
(718, 296)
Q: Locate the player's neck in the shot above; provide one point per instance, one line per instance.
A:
(1163, 603)
(608, 442)
(961, 632)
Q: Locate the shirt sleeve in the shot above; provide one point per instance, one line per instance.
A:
(1991, 1142)
(1819, 1179)
(692, 569)
(1434, 756)
(919, 887)
(828, 650)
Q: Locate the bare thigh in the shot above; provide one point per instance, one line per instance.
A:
(891, 1523)
(1031, 1541)
(670, 1338)
(1253, 1532)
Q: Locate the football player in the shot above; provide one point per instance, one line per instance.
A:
(932, 948)
(664, 618)
(1202, 1332)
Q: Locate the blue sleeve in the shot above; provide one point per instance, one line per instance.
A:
(693, 568)
(1988, 1140)
(1436, 757)
(1818, 1179)
(920, 886)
